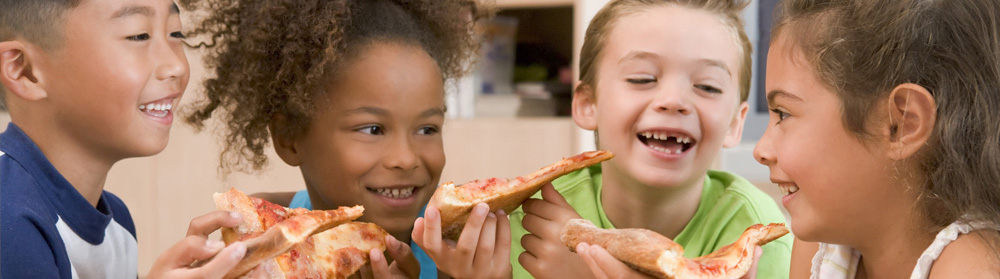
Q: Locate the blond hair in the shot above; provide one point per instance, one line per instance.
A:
(602, 23)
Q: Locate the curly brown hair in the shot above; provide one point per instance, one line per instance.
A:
(273, 56)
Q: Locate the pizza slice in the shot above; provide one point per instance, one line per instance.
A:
(298, 243)
(656, 255)
(456, 202)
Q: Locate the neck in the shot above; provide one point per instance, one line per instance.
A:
(82, 167)
(630, 204)
(891, 250)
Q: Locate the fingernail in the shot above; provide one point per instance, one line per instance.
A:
(481, 209)
(391, 242)
(235, 215)
(214, 245)
(375, 254)
(502, 212)
(240, 251)
(431, 214)
(492, 215)
(581, 248)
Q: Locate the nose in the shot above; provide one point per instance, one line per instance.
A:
(401, 155)
(672, 99)
(171, 61)
(763, 152)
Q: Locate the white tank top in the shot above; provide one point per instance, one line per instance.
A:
(834, 261)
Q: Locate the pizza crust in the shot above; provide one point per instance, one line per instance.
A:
(656, 255)
(456, 203)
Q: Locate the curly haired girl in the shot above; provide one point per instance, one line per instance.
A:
(350, 91)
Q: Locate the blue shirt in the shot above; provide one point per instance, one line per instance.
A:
(49, 230)
(428, 270)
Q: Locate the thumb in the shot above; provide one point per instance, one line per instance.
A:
(550, 194)
(223, 263)
(752, 273)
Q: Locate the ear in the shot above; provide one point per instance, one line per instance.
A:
(18, 72)
(735, 133)
(284, 142)
(585, 107)
(912, 113)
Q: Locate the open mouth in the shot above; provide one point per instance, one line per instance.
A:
(394, 193)
(788, 189)
(156, 109)
(667, 142)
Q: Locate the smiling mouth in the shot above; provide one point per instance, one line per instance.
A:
(394, 193)
(156, 109)
(788, 189)
(670, 143)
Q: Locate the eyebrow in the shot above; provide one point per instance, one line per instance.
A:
(775, 94)
(141, 10)
(432, 112)
(716, 63)
(638, 55)
(128, 11)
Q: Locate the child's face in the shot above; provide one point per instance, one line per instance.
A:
(121, 63)
(667, 96)
(839, 179)
(376, 141)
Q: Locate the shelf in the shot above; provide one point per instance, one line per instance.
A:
(518, 4)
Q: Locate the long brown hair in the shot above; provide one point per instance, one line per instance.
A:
(864, 49)
(272, 56)
(604, 20)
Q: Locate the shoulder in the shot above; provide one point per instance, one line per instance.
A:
(31, 246)
(970, 255)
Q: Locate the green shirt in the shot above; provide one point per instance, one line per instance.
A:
(729, 204)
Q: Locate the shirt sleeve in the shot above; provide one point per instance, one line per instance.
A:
(29, 251)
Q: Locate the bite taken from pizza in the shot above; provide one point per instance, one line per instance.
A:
(456, 201)
(298, 243)
(658, 256)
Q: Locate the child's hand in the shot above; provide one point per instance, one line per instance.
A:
(483, 248)
(545, 256)
(177, 261)
(605, 266)
(404, 264)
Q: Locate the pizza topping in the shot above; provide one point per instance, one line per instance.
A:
(667, 142)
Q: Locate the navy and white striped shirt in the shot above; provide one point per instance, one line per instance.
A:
(48, 230)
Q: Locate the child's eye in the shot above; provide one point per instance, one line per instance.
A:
(640, 79)
(372, 130)
(780, 114)
(709, 89)
(428, 130)
(138, 38)
(178, 35)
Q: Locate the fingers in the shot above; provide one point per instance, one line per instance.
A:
(221, 263)
(548, 210)
(502, 246)
(752, 273)
(468, 240)
(550, 194)
(379, 267)
(581, 250)
(402, 256)
(546, 229)
(432, 230)
(190, 249)
(206, 224)
(487, 241)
